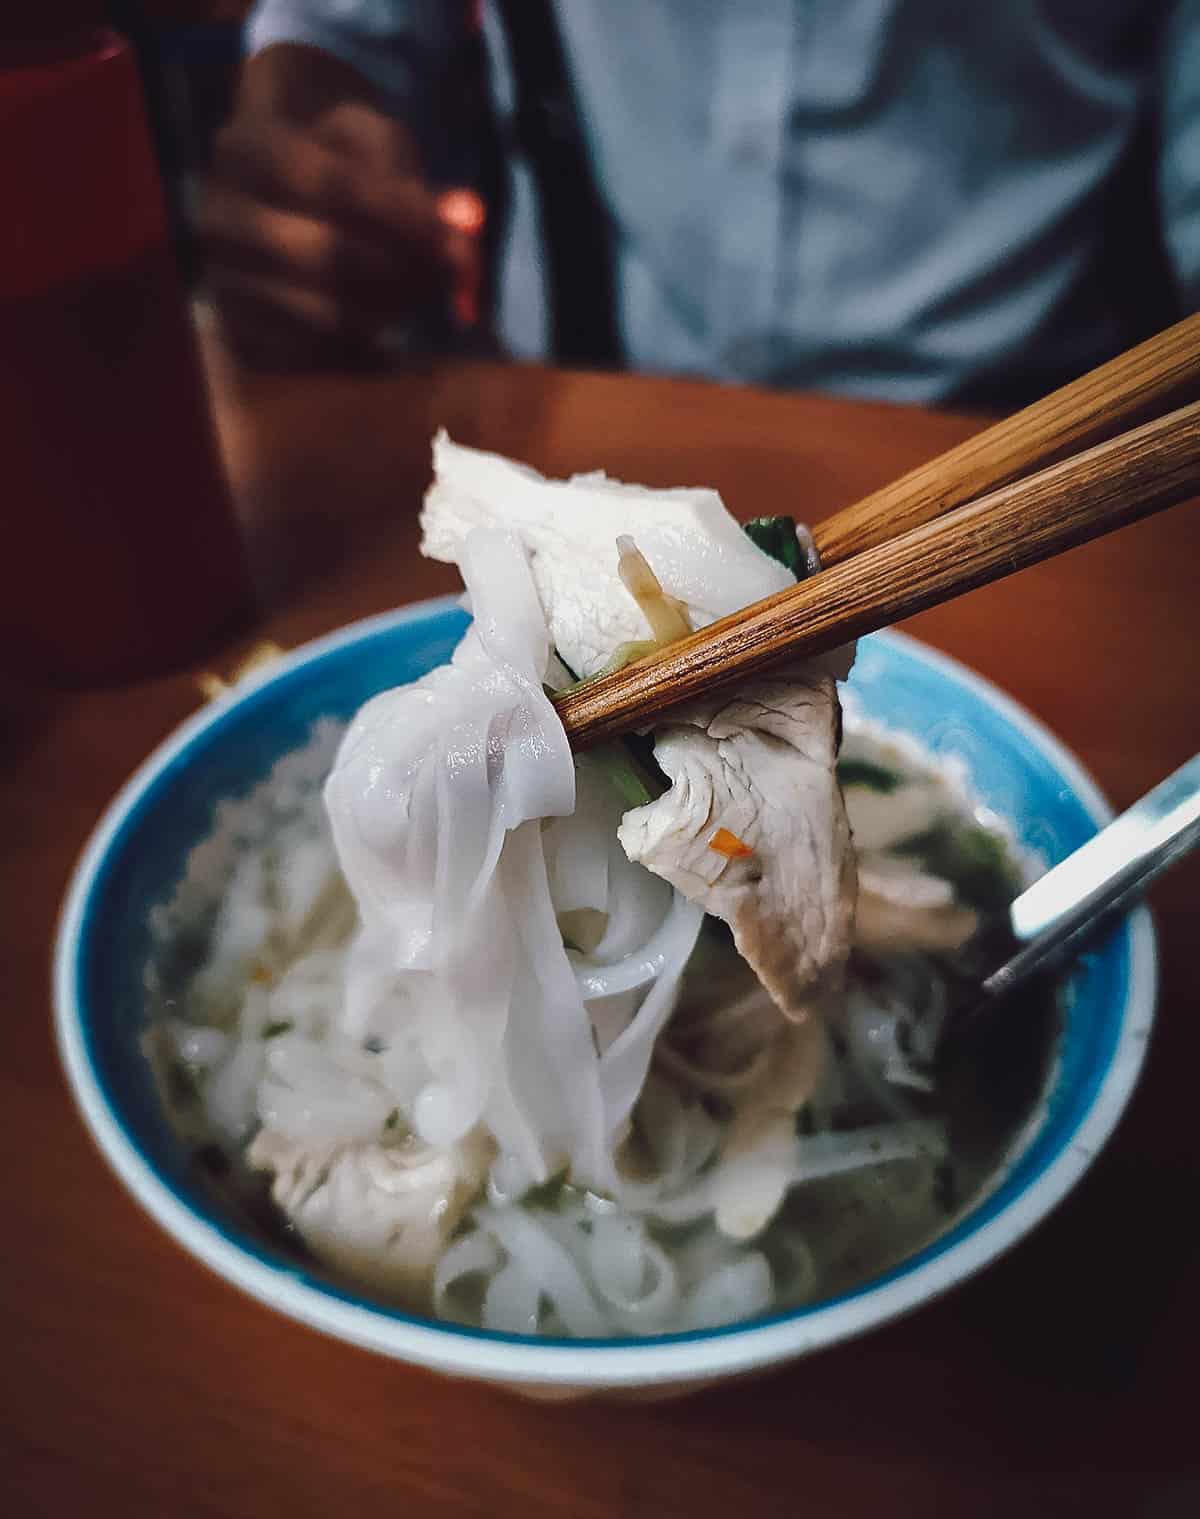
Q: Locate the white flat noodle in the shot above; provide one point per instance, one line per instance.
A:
(532, 1246)
(624, 1064)
(552, 1066)
(577, 855)
(307, 878)
(510, 1304)
(735, 1291)
(312, 1091)
(231, 1094)
(435, 802)
(631, 1272)
(570, 528)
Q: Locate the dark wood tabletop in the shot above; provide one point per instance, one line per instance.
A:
(1061, 1381)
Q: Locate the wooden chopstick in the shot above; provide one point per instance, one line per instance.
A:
(1115, 483)
(1162, 373)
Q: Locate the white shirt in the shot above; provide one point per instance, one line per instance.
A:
(902, 198)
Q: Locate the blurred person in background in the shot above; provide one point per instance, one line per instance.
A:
(920, 200)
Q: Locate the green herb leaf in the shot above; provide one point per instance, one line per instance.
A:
(974, 860)
(640, 749)
(629, 762)
(852, 772)
(777, 537)
(629, 784)
(278, 1026)
(633, 770)
(547, 1194)
(392, 1122)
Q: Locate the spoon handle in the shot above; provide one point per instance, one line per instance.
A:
(1101, 879)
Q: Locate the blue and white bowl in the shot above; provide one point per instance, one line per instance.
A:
(138, 853)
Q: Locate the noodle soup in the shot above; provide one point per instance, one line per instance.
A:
(250, 1031)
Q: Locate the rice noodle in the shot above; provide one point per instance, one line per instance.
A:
(785, 1161)
(511, 1301)
(739, 1289)
(474, 1254)
(543, 1258)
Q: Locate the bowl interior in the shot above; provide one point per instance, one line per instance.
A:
(140, 850)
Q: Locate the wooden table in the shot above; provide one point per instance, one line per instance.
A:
(1063, 1381)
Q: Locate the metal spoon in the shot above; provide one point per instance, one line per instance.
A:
(1081, 897)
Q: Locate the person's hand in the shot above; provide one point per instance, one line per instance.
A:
(318, 229)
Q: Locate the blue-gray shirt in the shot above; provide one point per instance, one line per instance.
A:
(898, 198)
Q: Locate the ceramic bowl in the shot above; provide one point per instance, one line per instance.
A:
(137, 854)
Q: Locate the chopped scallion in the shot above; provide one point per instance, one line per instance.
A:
(852, 772)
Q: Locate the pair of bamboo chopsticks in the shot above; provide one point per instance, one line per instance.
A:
(1054, 475)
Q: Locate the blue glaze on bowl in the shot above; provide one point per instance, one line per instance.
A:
(139, 854)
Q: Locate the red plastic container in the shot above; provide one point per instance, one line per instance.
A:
(122, 552)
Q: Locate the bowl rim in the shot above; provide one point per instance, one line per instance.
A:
(453, 1349)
